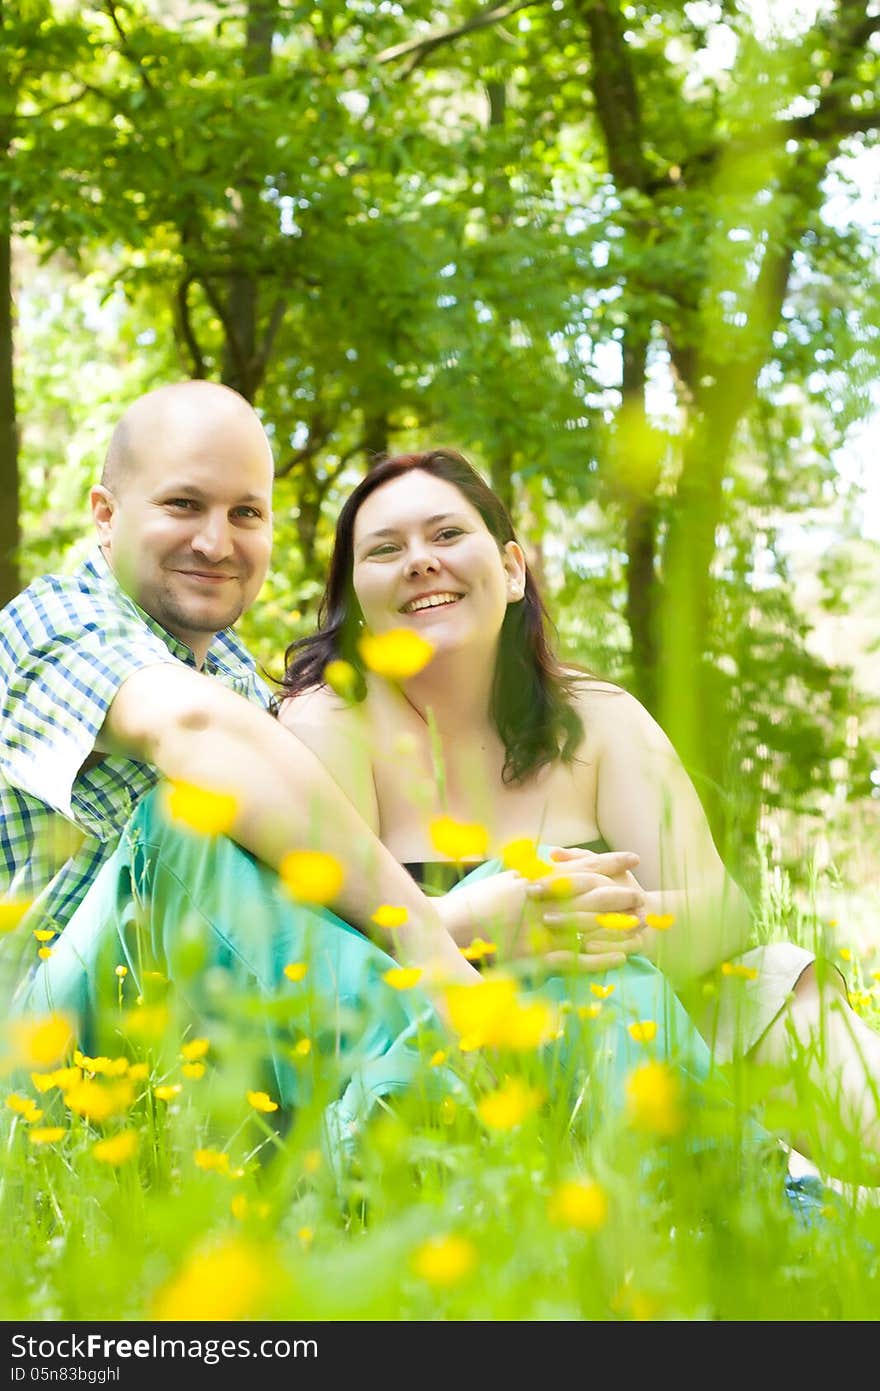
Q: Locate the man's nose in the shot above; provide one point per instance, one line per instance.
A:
(213, 536)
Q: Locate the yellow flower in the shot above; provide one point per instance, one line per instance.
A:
(117, 1149)
(522, 855)
(478, 949)
(106, 1067)
(209, 813)
(214, 1161)
(560, 887)
(302, 1049)
(580, 1203)
(12, 912)
(46, 1134)
(24, 1106)
(42, 1041)
(62, 1078)
(437, 1059)
(492, 1015)
(846, 953)
(510, 1105)
(445, 1260)
(98, 1101)
(44, 953)
(239, 1207)
(860, 999)
(653, 1099)
(601, 991)
(121, 972)
(341, 677)
(390, 916)
(589, 1011)
(195, 1049)
(312, 1161)
(397, 654)
(194, 1071)
(44, 934)
(138, 1071)
(661, 922)
(306, 1236)
(402, 977)
(617, 922)
(296, 970)
(642, 1031)
(261, 1101)
(736, 968)
(311, 876)
(459, 840)
(231, 1281)
(167, 1091)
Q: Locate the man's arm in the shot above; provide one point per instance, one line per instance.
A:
(194, 730)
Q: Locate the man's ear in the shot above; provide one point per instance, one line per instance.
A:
(515, 568)
(103, 505)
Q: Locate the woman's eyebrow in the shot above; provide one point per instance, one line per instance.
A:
(392, 530)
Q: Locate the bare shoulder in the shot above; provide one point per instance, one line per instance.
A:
(337, 734)
(612, 716)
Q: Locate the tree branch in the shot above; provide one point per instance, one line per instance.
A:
(418, 49)
(187, 331)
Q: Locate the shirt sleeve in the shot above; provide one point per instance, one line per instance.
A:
(64, 677)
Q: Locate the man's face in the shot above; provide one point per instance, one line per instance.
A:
(188, 528)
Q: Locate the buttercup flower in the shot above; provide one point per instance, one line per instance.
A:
(601, 991)
(195, 1049)
(477, 950)
(167, 1091)
(117, 1149)
(459, 840)
(262, 1101)
(661, 922)
(43, 934)
(508, 1106)
(98, 1101)
(230, 1281)
(445, 1260)
(214, 1161)
(736, 968)
(617, 922)
(589, 1011)
(402, 977)
(302, 1049)
(642, 1031)
(46, 1134)
(397, 654)
(194, 1071)
(341, 677)
(654, 1100)
(12, 912)
(390, 916)
(580, 1203)
(42, 1041)
(522, 855)
(209, 813)
(311, 876)
(492, 1015)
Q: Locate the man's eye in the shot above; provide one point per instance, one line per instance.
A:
(249, 513)
(183, 502)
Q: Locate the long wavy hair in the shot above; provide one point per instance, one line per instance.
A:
(532, 703)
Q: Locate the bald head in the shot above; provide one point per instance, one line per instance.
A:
(178, 415)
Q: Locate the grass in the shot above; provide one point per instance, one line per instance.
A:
(529, 1194)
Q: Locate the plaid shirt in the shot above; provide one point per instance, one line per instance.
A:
(66, 646)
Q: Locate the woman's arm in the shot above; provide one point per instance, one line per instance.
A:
(646, 802)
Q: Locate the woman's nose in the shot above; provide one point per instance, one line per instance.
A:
(420, 561)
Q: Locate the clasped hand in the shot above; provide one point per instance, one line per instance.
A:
(567, 905)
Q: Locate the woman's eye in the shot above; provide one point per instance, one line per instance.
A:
(387, 549)
(449, 533)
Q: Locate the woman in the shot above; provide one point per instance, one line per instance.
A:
(494, 730)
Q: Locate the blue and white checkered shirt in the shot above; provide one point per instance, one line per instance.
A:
(67, 643)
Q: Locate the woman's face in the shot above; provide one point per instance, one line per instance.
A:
(425, 559)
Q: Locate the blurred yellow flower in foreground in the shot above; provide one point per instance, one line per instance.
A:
(522, 855)
(213, 1161)
(296, 971)
(478, 949)
(402, 977)
(589, 1011)
(388, 915)
(12, 911)
(209, 813)
(661, 922)
(492, 1014)
(511, 1104)
(98, 1101)
(642, 1031)
(194, 1072)
(194, 1049)
(312, 876)
(445, 1260)
(117, 1149)
(229, 1281)
(654, 1100)
(617, 922)
(397, 654)
(601, 991)
(262, 1101)
(46, 1134)
(44, 934)
(41, 1041)
(106, 1067)
(459, 840)
(736, 968)
(23, 1106)
(167, 1091)
(580, 1203)
(341, 677)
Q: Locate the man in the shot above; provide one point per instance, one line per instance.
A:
(127, 672)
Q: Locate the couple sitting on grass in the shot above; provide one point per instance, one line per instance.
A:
(543, 810)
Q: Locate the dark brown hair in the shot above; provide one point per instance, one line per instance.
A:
(532, 696)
